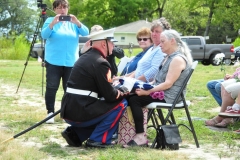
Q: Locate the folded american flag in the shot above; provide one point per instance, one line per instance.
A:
(132, 84)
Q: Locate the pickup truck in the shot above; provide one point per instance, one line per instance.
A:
(206, 52)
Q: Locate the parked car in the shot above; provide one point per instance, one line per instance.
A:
(206, 53)
(237, 52)
(37, 49)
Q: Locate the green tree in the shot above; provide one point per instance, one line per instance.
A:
(110, 13)
(216, 18)
(17, 16)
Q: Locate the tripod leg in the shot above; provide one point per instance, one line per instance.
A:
(31, 47)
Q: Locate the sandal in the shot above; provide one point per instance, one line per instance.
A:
(211, 122)
(224, 123)
(132, 143)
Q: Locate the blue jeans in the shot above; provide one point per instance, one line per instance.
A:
(54, 74)
(214, 86)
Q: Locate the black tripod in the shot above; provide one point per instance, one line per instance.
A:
(41, 20)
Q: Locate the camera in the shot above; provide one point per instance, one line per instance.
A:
(64, 18)
(40, 5)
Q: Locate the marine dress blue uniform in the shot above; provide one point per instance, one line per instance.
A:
(91, 105)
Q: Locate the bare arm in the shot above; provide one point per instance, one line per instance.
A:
(86, 46)
(176, 66)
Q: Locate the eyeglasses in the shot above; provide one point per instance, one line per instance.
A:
(63, 7)
(144, 39)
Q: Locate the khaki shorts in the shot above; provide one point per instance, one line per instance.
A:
(232, 87)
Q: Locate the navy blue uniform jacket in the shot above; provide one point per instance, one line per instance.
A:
(91, 72)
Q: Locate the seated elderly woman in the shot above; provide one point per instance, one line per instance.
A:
(147, 67)
(145, 42)
(229, 92)
(172, 72)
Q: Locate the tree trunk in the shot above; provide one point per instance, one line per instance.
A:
(209, 18)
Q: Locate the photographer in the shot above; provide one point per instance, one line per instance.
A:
(61, 50)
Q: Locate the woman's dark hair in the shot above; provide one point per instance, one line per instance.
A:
(63, 3)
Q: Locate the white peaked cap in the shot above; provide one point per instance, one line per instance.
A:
(103, 34)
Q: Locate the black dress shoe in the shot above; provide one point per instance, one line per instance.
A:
(71, 137)
(94, 144)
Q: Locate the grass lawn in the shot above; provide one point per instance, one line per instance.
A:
(25, 108)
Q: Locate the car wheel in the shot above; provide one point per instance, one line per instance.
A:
(227, 61)
(213, 60)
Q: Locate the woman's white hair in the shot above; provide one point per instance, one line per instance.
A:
(183, 48)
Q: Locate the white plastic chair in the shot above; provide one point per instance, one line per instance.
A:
(123, 63)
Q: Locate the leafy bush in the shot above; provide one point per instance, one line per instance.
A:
(14, 48)
(236, 43)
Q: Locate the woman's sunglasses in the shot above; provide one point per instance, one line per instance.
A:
(144, 39)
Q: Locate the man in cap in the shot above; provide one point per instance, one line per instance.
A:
(116, 52)
(91, 105)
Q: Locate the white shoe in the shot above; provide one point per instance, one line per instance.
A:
(50, 121)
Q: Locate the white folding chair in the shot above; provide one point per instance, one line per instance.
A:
(123, 63)
(155, 110)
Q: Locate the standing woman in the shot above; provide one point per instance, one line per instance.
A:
(61, 50)
(172, 72)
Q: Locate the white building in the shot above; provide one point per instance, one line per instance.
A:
(126, 34)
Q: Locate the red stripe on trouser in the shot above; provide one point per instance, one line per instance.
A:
(115, 121)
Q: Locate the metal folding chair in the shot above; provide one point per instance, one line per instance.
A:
(155, 110)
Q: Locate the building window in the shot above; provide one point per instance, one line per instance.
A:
(122, 39)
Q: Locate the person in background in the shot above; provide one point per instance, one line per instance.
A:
(144, 43)
(229, 92)
(233, 111)
(214, 87)
(147, 67)
(61, 50)
(116, 52)
(173, 70)
(91, 105)
(119, 53)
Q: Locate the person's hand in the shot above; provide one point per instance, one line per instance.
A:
(124, 90)
(55, 20)
(86, 46)
(115, 78)
(227, 76)
(141, 92)
(75, 20)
